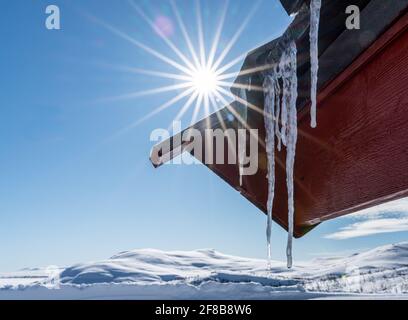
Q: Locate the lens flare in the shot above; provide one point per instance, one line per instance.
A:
(200, 76)
(205, 81)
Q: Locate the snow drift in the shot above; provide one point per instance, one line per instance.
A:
(208, 274)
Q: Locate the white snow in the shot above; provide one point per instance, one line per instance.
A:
(286, 72)
(208, 274)
(315, 6)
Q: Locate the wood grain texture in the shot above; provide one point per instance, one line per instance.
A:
(357, 157)
(363, 129)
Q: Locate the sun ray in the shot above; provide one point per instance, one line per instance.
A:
(161, 35)
(186, 106)
(209, 151)
(222, 122)
(233, 112)
(196, 109)
(245, 72)
(160, 74)
(185, 33)
(230, 64)
(213, 103)
(165, 105)
(206, 105)
(216, 110)
(150, 115)
(161, 108)
(240, 86)
(217, 35)
(242, 56)
(140, 45)
(302, 133)
(200, 33)
(202, 79)
(239, 118)
(172, 76)
(144, 93)
(236, 35)
(250, 105)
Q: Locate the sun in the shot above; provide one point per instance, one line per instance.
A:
(202, 78)
(205, 81)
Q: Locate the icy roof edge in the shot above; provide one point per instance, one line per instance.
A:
(272, 51)
(376, 17)
(292, 6)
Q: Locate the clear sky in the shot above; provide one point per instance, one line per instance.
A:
(75, 186)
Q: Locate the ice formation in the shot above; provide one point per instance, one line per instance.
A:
(242, 139)
(280, 88)
(315, 6)
(270, 127)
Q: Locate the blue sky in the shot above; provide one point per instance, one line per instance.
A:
(72, 189)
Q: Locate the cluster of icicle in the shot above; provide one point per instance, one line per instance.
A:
(281, 125)
(280, 87)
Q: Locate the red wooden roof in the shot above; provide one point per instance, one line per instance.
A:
(357, 157)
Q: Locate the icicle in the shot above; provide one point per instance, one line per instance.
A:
(315, 6)
(291, 144)
(280, 101)
(269, 87)
(285, 111)
(277, 115)
(242, 139)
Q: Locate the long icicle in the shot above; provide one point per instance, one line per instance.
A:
(284, 111)
(242, 136)
(281, 104)
(277, 114)
(292, 133)
(315, 6)
(284, 105)
(269, 86)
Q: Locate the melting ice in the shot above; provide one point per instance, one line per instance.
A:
(315, 6)
(270, 125)
(243, 112)
(281, 121)
(280, 87)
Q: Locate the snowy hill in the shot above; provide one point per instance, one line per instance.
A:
(207, 274)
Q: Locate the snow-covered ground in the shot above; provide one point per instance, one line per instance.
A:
(207, 274)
